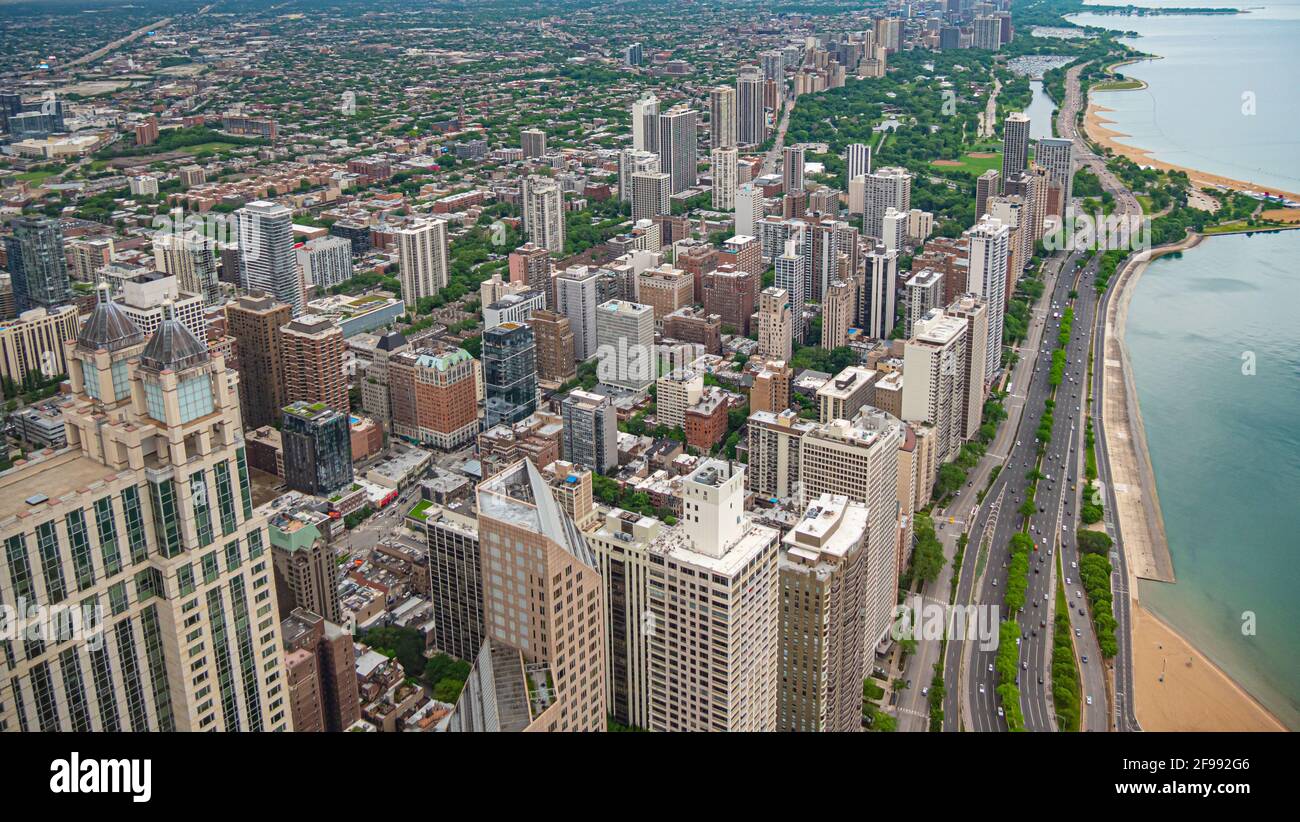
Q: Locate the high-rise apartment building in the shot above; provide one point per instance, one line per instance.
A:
(723, 166)
(554, 336)
(333, 668)
(533, 142)
(824, 594)
(775, 324)
(590, 430)
(422, 258)
(674, 393)
(650, 194)
(317, 443)
(632, 161)
(790, 268)
(304, 568)
(934, 384)
(678, 147)
(1015, 144)
(665, 289)
(544, 213)
(645, 124)
(839, 310)
(751, 122)
(312, 348)
(325, 262)
(987, 278)
(879, 280)
(266, 258)
(857, 162)
(842, 395)
(729, 293)
(455, 576)
(975, 312)
(1056, 154)
(749, 209)
(192, 260)
(434, 397)
(625, 344)
(792, 180)
(510, 373)
(924, 291)
(145, 526)
(713, 600)
(885, 188)
(37, 264)
(722, 117)
(987, 186)
(255, 321)
(773, 469)
(576, 297)
(858, 459)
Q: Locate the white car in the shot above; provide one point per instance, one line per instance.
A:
(1067, 580)
(981, 687)
(1089, 700)
(1078, 594)
(990, 667)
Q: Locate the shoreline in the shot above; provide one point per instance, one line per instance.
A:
(1187, 697)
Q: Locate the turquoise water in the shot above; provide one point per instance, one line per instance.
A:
(1192, 114)
(1225, 448)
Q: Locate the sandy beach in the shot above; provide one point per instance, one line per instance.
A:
(1194, 695)
(1096, 125)
(1176, 687)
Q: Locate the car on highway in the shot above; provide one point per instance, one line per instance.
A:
(1000, 711)
(981, 687)
(990, 667)
(1077, 632)
(1085, 657)
(1089, 700)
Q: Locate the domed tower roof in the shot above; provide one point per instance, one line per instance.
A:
(108, 326)
(172, 346)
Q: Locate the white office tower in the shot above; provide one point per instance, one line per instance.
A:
(934, 382)
(749, 208)
(751, 123)
(677, 147)
(326, 261)
(625, 344)
(650, 195)
(858, 459)
(975, 312)
(886, 188)
(790, 276)
(923, 291)
(987, 278)
(192, 259)
(792, 169)
(775, 330)
(824, 583)
(722, 116)
(576, 298)
(879, 278)
(266, 261)
(714, 604)
(422, 258)
(1056, 154)
(631, 161)
(645, 124)
(533, 142)
(544, 213)
(1015, 144)
(723, 165)
(894, 229)
(857, 162)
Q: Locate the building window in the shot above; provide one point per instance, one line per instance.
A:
(195, 397)
(166, 521)
(107, 528)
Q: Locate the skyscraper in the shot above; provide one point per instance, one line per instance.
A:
(924, 291)
(987, 278)
(858, 459)
(192, 259)
(164, 546)
(542, 666)
(751, 123)
(934, 386)
(510, 373)
(677, 147)
(722, 117)
(722, 165)
(455, 576)
(576, 298)
(625, 337)
(885, 188)
(987, 186)
(312, 348)
(1056, 154)
(37, 263)
(422, 258)
(630, 162)
(325, 261)
(645, 124)
(544, 213)
(790, 267)
(650, 194)
(880, 275)
(749, 208)
(1015, 144)
(254, 321)
(554, 336)
(533, 142)
(266, 255)
(823, 591)
(775, 322)
(857, 161)
(792, 169)
(838, 310)
(975, 312)
(434, 396)
(317, 443)
(590, 430)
